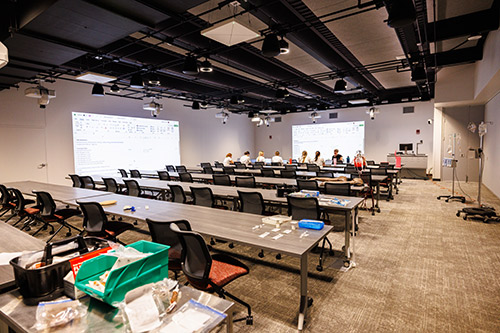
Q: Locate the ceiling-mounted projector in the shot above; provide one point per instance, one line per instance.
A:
(154, 107)
(4, 55)
(43, 94)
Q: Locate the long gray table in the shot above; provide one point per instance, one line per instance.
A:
(58, 192)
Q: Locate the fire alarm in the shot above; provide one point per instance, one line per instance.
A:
(270, 137)
(418, 131)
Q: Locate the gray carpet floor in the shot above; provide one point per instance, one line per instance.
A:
(419, 269)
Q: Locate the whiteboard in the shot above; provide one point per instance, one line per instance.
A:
(347, 137)
(104, 143)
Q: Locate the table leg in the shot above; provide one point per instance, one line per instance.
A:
(164, 195)
(347, 233)
(303, 291)
(229, 321)
(378, 197)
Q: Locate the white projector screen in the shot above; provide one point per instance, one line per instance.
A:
(103, 143)
(347, 137)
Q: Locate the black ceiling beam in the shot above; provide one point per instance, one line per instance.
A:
(465, 25)
(56, 40)
(118, 11)
(455, 57)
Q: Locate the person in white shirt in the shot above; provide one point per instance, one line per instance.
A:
(277, 158)
(228, 160)
(304, 158)
(261, 157)
(318, 160)
(245, 159)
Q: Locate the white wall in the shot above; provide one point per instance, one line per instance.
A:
(202, 136)
(492, 145)
(383, 135)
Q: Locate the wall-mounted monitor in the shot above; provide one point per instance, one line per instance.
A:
(104, 143)
(406, 146)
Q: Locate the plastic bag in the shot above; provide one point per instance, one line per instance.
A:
(65, 316)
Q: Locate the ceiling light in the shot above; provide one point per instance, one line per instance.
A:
(190, 66)
(95, 77)
(98, 57)
(230, 32)
(240, 99)
(281, 93)
(136, 81)
(359, 101)
(97, 90)
(4, 55)
(340, 86)
(271, 46)
(260, 123)
(314, 116)
(474, 37)
(154, 80)
(268, 111)
(284, 48)
(401, 13)
(152, 106)
(114, 88)
(256, 118)
(222, 115)
(206, 66)
(196, 105)
(204, 104)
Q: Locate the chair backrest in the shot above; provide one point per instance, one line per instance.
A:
(196, 259)
(370, 162)
(267, 173)
(94, 217)
(228, 170)
(313, 167)
(259, 165)
(111, 185)
(178, 194)
(367, 178)
(161, 233)
(76, 180)
(202, 196)
(351, 169)
(240, 166)
(219, 165)
(303, 208)
(208, 170)
(185, 177)
(251, 202)
(123, 173)
(205, 164)
(378, 171)
(290, 167)
(288, 174)
(325, 174)
(303, 184)
(87, 182)
(163, 175)
(45, 202)
(245, 181)
(338, 189)
(135, 174)
(133, 188)
(6, 198)
(18, 198)
(276, 163)
(222, 180)
(170, 168)
(181, 168)
(384, 163)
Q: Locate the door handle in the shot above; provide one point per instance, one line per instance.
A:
(42, 165)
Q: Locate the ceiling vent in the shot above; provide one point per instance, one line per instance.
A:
(230, 32)
(409, 109)
(334, 115)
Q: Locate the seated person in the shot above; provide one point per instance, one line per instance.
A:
(277, 158)
(261, 157)
(228, 160)
(337, 156)
(318, 160)
(245, 159)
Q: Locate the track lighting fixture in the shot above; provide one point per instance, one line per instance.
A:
(154, 80)
(206, 66)
(340, 86)
(222, 115)
(314, 116)
(136, 81)
(271, 46)
(97, 90)
(204, 104)
(196, 105)
(284, 48)
(401, 13)
(114, 88)
(190, 66)
(281, 93)
(256, 118)
(240, 99)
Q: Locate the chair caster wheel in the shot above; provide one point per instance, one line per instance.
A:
(231, 245)
(458, 214)
(210, 248)
(447, 200)
(347, 263)
(331, 252)
(261, 254)
(278, 256)
(378, 210)
(120, 219)
(68, 234)
(319, 268)
(465, 217)
(113, 218)
(310, 301)
(51, 232)
(27, 229)
(135, 222)
(249, 320)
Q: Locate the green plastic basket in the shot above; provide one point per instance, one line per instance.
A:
(151, 269)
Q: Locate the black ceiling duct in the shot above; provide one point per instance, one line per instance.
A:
(136, 81)
(233, 99)
(418, 74)
(340, 85)
(190, 66)
(401, 13)
(271, 46)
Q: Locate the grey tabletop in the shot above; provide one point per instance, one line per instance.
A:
(58, 192)
(101, 317)
(14, 240)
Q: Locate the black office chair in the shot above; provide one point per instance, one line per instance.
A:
(288, 174)
(224, 180)
(164, 175)
(259, 165)
(276, 163)
(308, 208)
(185, 177)
(205, 164)
(267, 173)
(95, 222)
(324, 174)
(20, 210)
(170, 168)
(228, 170)
(202, 196)
(209, 273)
(386, 184)
(76, 180)
(251, 202)
(311, 185)
(177, 193)
(161, 233)
(370, 162)
(134, 189)
(87, 182)
(180, 168)
(219, 165)
(290, 167)
(245, 181)
(6, 202)
(208, 170)
(368, 191)
(313, 168)
(338, 189)
(239, 165)
(135, 174)
(123, 173)
(49, 213)
(111, 185)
